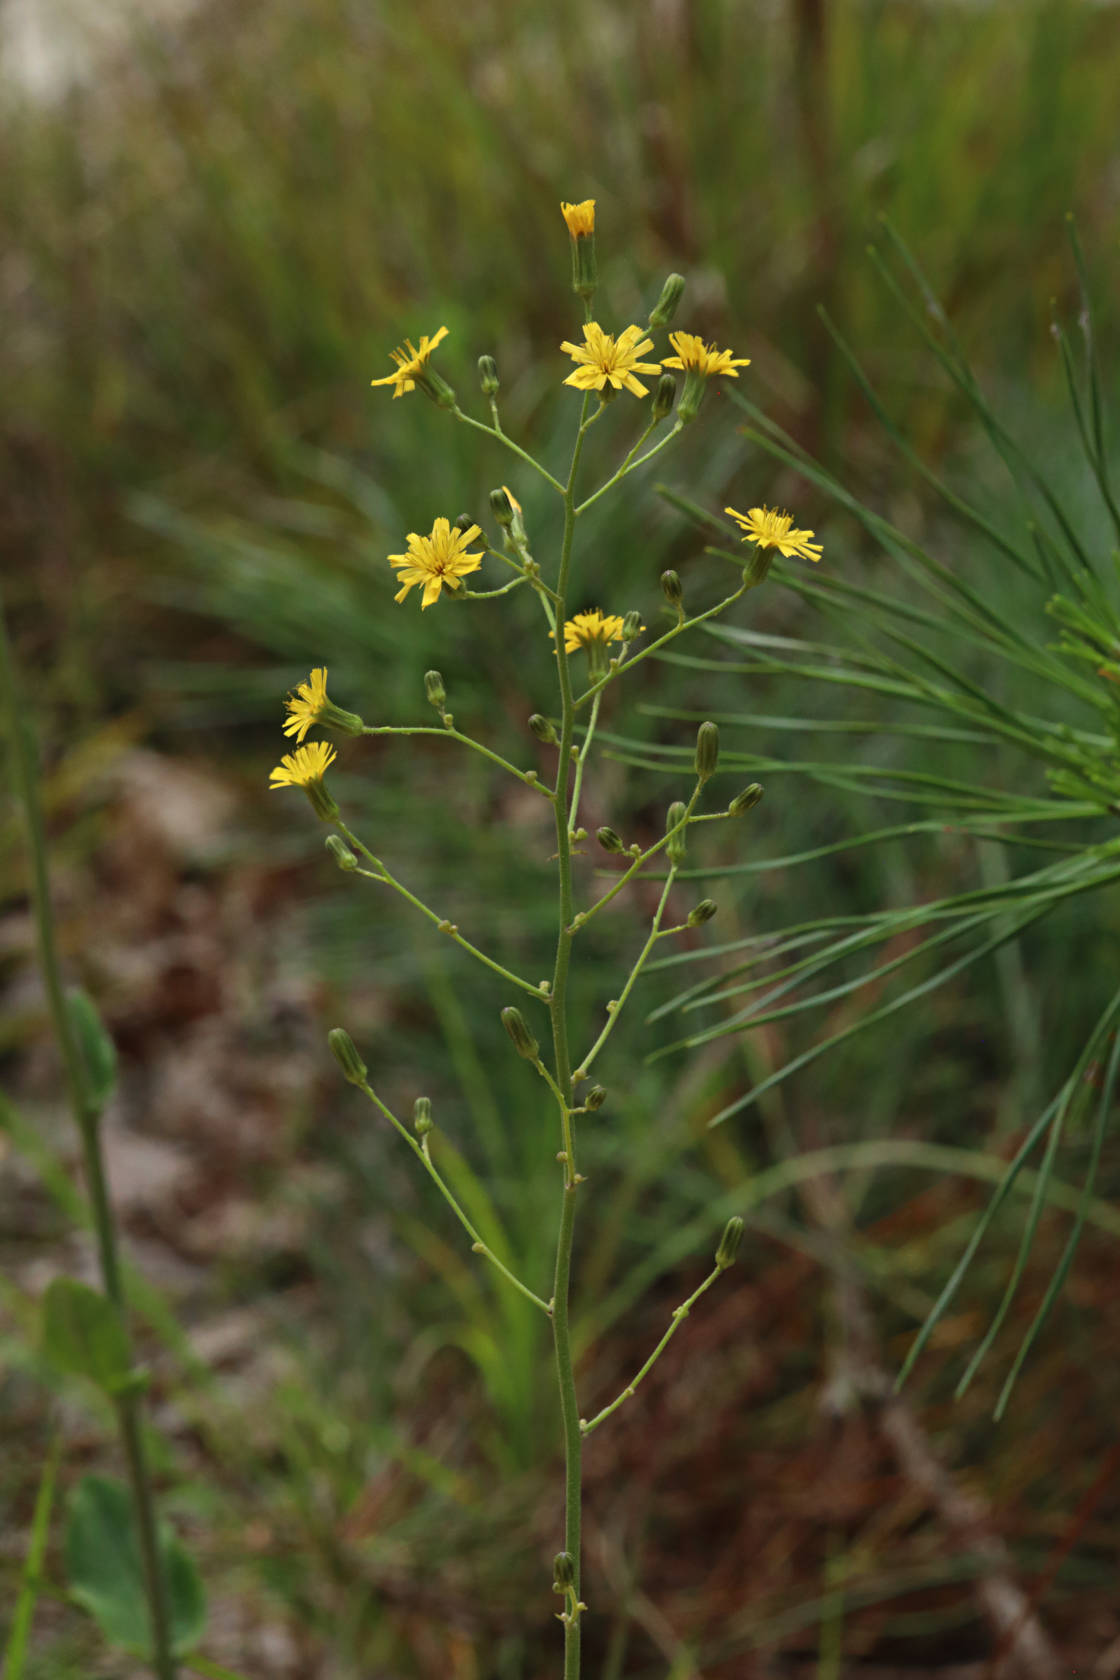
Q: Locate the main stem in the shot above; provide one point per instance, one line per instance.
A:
(561, 1328)
(86, 1118)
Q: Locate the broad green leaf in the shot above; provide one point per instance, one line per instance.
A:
(103, 1562)
(83, 1333)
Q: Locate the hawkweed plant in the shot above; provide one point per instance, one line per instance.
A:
(590, 651)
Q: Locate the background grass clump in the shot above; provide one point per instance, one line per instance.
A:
(210, 244)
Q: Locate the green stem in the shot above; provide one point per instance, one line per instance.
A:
(561, 1325)
(679, 1315)
(529, 777)
(677, 630)
(585, 916)
(427, 1163)
(630, 465)
(654, 936)
(573, 817)
(381, 874)
(501, 437)
(86, 1119)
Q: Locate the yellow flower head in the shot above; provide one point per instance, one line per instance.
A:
(411, 363)
(304, 766)
(591, 628)
(771, 529)
(438, 559)
(311, 704)
(693, 355)
(307, 704)
(580, 218)
(604, 358)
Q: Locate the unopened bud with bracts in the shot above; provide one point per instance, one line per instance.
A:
(422, 1116)
(341, 852)
(745, 801)
(501, 506)
(543, 730)
(609, 840)
(563, 1572)
(673, 592)
(664, 396)
(434, 689)
(632, 626)
(488, 376)
(595, 1098)
(347, 1057)
(580, 219)
(666, 306)
(702, 912)
(707, 751)
(675, 828)
(523, 1041)
(729, 1243)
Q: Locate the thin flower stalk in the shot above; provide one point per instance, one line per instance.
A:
(616, 1007)
(679, 1315)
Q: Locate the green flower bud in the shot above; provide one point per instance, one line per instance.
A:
(434, 689)
(664, 396)
(422, 1116)
(348, 1059)
(341, 852)
(707, 751)
(674, 817)
(745, 801)
(672, 590)
(96, 1050)
(501, 507)
(702, 912)
(729, 1243)
(563, 1571)
(580, 219)
(488, 375)
(666, 306)
(595, 1098)
(523, 1041)
(632, 626)
(695, 385)
(609, 840)
(543, 730)
(757, 568)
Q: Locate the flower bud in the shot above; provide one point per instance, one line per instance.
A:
(501, 506)
(675, 819)
(745, 801)
(632, 626)
(488, 375)
(666, 306)
(341, 852)
(672, 590)
(595, 1098)
(523, 1041)
(702, 912)
(757, 568)
(580, 219)
(543, 730)
(434, 689)
(434, 386)
(563, 1571)
(729, 1243)
(664, 396)
(422, 1116)
(609, 840)
(348, 1059)
(707, 751)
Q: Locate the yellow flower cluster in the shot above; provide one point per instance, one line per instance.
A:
(771, 529)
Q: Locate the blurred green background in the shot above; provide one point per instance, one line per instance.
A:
(215, 222)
